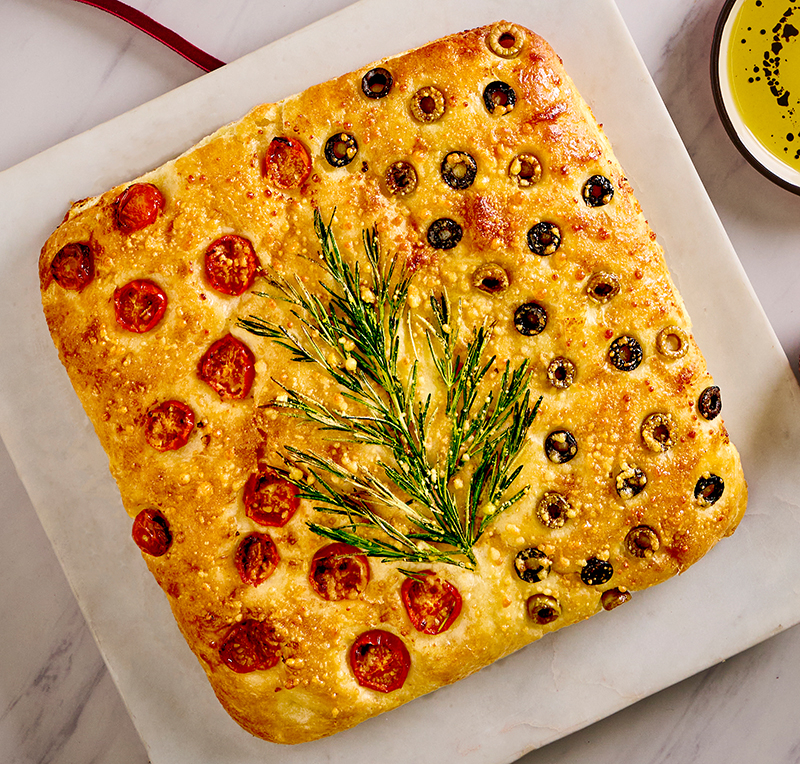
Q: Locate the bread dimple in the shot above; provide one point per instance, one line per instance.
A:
(621, 481)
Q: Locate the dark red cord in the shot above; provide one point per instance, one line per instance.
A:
(141, 21)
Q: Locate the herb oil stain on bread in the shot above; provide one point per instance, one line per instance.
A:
(393, 380)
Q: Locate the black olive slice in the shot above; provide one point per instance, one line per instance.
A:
(499, 97)
(612, 598)
(657, 431)
(561, 373)
(341, 149)
(602, 286)
(710, 402)
(532, 565)
(444, 233)
(401, 178)
(642, 541)
(625, 353)
(630, 481)
(544, 238)
(525, 170)
(505, 40)
(553, 509)
(672, 342)
(560, 446)
(542, 609)
(377, 83)
(530, 319)
(459, 170)
(427, 104)
(490, 278)
(598, 191)
(709, 490)
(596, 572)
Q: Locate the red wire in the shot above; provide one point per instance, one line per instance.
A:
(141, 21)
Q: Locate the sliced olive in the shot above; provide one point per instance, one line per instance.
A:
(710, 402)
(602, 286)
(596, 572)
(630, 481)
(428, 104)
(560, 446)
(598, 191)
(525, 170)
(401, 178)
(561, 373)
(532, 565)
(544, 238)
(642, 541)
(708, 490)
(657, 431)
(612, 598)
(459, 169)
(505, 40)
(625, 353)
(341, 149)
(444, 233)
(542, 609)
(490, 278)
(499, 97)
(672, 342)
(553, 509)
(377, 83)
(530, 319)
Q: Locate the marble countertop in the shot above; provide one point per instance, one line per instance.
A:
(66, 68)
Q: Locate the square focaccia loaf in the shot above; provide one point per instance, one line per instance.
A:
(393, 380)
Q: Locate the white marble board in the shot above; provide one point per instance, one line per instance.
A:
(744, 591)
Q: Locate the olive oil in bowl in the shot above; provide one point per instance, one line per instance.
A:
(756, 78)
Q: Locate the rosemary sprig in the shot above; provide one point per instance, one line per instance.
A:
(352, 331)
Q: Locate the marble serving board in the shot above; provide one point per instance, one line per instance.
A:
(745, 590)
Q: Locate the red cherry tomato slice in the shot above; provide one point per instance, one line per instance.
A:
(269, 499)
(287, 163)
(151, 532)
(73, 266)
(432, 603)
(228, 367)
(169, 425)
(338, 572)
(231, 264)
(380, 660)
(256, 558)
(137, 207)
(250, 646)
(139, 305)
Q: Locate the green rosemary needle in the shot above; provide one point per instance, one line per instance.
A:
(352, 330)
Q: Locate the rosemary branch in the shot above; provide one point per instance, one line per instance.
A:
(352, 331)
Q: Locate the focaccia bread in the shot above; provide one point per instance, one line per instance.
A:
(393, 380)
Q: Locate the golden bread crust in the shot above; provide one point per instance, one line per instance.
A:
(220, 188)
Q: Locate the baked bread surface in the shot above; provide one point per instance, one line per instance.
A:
(606, 280)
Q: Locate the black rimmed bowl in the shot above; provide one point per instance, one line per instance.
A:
(775, 28)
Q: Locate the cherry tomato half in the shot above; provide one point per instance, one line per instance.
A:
(256, 558)
(73, 266)
(228, 366)
(431, 602)
(169, 425)
(250, 646)
(139, 305)
(338, 572)
(269, 499)
(137, 207)
(151, 532)
(287, 163)
(380, 660)
(231, 264)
